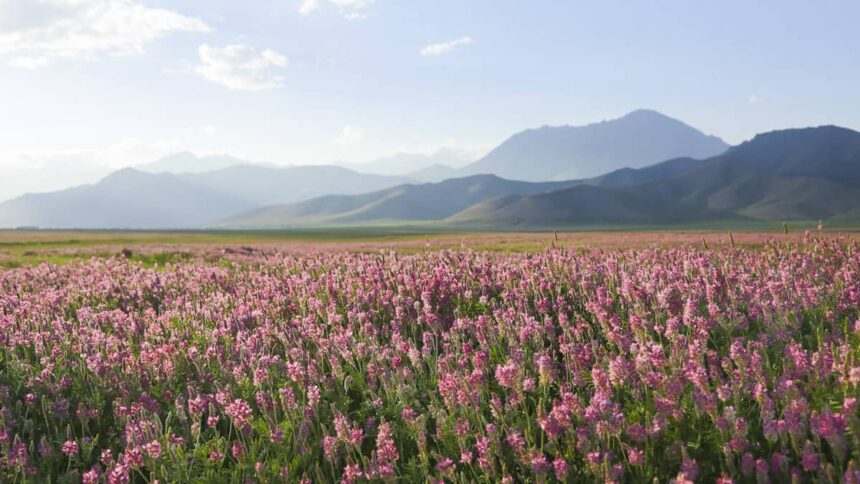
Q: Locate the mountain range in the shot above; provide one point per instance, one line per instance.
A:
(797, 174)
(133, 199)
(801, 174)
(639, 139)
(421, 202)
(187, 162)
(437, 166)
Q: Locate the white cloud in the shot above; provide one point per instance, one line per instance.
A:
(352, 9)
(26, 62)
(444, 47)
(348, 9)
(206, 130)
(308, 6)
(349, 135)
(47, 169)
(35, 168)
(38, 32)
(754, 99)
(240, 67)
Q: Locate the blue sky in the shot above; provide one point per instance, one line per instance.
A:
(89, 85)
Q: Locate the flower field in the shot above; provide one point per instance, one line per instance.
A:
(692, 364)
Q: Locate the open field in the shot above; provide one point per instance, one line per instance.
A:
(19, 247)
(273, 357)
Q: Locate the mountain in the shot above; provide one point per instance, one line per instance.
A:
(635, 176)
(131, 198)
(638, 139)
(407, 163)
(434, 173)
(811, 173)
(435, 200)
(799, 174)
(580, 205)
(829, 152)
(804, 174)
(796, 174)
(187, 162)
(262, 185)
(429, 201)
(127, 199)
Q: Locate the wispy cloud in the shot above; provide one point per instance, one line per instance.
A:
(47, 169)
(308, 6)
(349, 135)
(75, 29)
(445, 47)
(241, 67)
(348, 9)
(755, 99)
(206, 130)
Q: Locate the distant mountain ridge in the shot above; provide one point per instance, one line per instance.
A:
(795, 174)
(800, 174)
(411, 202)
(261, 185)
(409, 164)
(125, 199)
(132, 199)
(638, 139)
(187, 162)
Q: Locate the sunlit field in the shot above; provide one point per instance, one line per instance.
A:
(138, 357)
(154, 249)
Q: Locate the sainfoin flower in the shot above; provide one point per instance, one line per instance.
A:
(18, 454)
(239, 412)
(119, 474)
(215, 455)
(153, 449)
(386, 452)
(561, 469)
(726, 364)
(70, 447)
(507, 375)
(237, 450)
(90, 477)
(809, 458)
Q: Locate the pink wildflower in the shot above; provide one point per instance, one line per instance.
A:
(70, 448)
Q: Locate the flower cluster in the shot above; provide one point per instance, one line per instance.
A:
(684, 364)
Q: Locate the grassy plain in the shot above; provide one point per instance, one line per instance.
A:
(23, 247)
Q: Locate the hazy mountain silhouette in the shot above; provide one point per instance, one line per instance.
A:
(636, 176)
(430, 201)
(262, 185)
(799, 174)
(785, 175)
(638, 139)
(187, 162)
(125, 199)
(404, 164)
(434, 173)
(131, 198)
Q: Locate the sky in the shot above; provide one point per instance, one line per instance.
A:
(87, 86)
